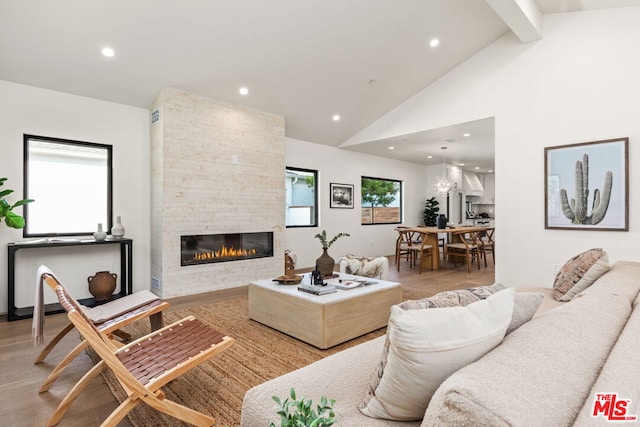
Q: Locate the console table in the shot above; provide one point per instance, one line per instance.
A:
(126, 271)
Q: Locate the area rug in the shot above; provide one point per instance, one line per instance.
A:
(217, 386)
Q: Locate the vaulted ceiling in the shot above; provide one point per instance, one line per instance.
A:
(307, 60)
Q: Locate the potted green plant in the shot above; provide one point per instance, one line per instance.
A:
(430, 212)
(325, 263)
(12, 219)
(299, 413)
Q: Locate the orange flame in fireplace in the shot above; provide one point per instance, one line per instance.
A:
(224, 252)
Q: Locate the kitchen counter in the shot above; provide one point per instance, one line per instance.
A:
(485, 222)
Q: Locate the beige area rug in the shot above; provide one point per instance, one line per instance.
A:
(259, 354)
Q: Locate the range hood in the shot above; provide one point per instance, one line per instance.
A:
(472, 185)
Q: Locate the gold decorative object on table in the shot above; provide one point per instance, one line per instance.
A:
(289, 264)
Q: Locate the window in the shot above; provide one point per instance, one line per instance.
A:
(381, 201)
(301, 197)
(71, 184)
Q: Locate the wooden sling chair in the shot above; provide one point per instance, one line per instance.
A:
(108, 318)
(145, 365)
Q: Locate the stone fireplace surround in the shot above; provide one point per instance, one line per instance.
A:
(215, 168)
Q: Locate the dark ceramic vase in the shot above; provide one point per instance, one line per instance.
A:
(325, 264)
(442, 221)
(102, 284)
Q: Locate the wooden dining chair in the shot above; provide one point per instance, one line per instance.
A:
(405, 246)
(488, 243)
(109, 318)
(146, 364)
(466, 245)
(422, 252)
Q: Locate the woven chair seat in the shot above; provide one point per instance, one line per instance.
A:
(152, 357)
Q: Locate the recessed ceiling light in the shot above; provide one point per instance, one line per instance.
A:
(108, 52)
(392, 148)
(434, 42)
(467, 134)
(461, 164)
(429, 157)
(336, 117)
(477, 168)
(490, 171)
(243, 91)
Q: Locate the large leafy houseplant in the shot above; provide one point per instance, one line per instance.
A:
(299, 413)
(430, 212)
(12, 219)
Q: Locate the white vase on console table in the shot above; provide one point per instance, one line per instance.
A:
(99, 235)
(117, 231)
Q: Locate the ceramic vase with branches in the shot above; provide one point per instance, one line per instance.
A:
(325, 264)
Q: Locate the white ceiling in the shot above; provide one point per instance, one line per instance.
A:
(469, 152)
(306, 60)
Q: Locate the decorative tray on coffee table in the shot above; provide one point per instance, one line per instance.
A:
(289, 280)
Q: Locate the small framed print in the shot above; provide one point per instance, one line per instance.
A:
(341, 196)
(587, 186)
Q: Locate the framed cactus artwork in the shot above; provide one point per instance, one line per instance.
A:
(587, 186)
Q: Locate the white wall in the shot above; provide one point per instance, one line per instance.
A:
(578, 84)
(347, 167)
(31, 110)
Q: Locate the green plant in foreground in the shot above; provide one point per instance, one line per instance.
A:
(323, 238)
(298, 413)
(12, 220)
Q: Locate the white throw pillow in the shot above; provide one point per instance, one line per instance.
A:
(426, 346)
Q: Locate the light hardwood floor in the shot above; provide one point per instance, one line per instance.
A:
(21, 405)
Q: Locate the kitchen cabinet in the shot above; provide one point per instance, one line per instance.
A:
(489, 189)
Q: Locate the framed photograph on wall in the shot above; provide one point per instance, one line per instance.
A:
(587, 186)
(341, 196)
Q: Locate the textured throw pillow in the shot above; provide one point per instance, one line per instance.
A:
(524, 307)
(579, 273)
(453, 298)
(424, 347)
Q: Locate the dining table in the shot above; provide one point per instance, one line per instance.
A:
(430, 236)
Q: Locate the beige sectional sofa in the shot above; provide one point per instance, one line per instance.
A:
(545, 373)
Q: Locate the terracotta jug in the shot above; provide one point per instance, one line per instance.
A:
(102, 284)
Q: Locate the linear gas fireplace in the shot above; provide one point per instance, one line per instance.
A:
(208, 248)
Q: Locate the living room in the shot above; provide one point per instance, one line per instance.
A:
(536, 92)
(578, 83)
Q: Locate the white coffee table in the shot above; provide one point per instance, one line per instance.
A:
(323, 320)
